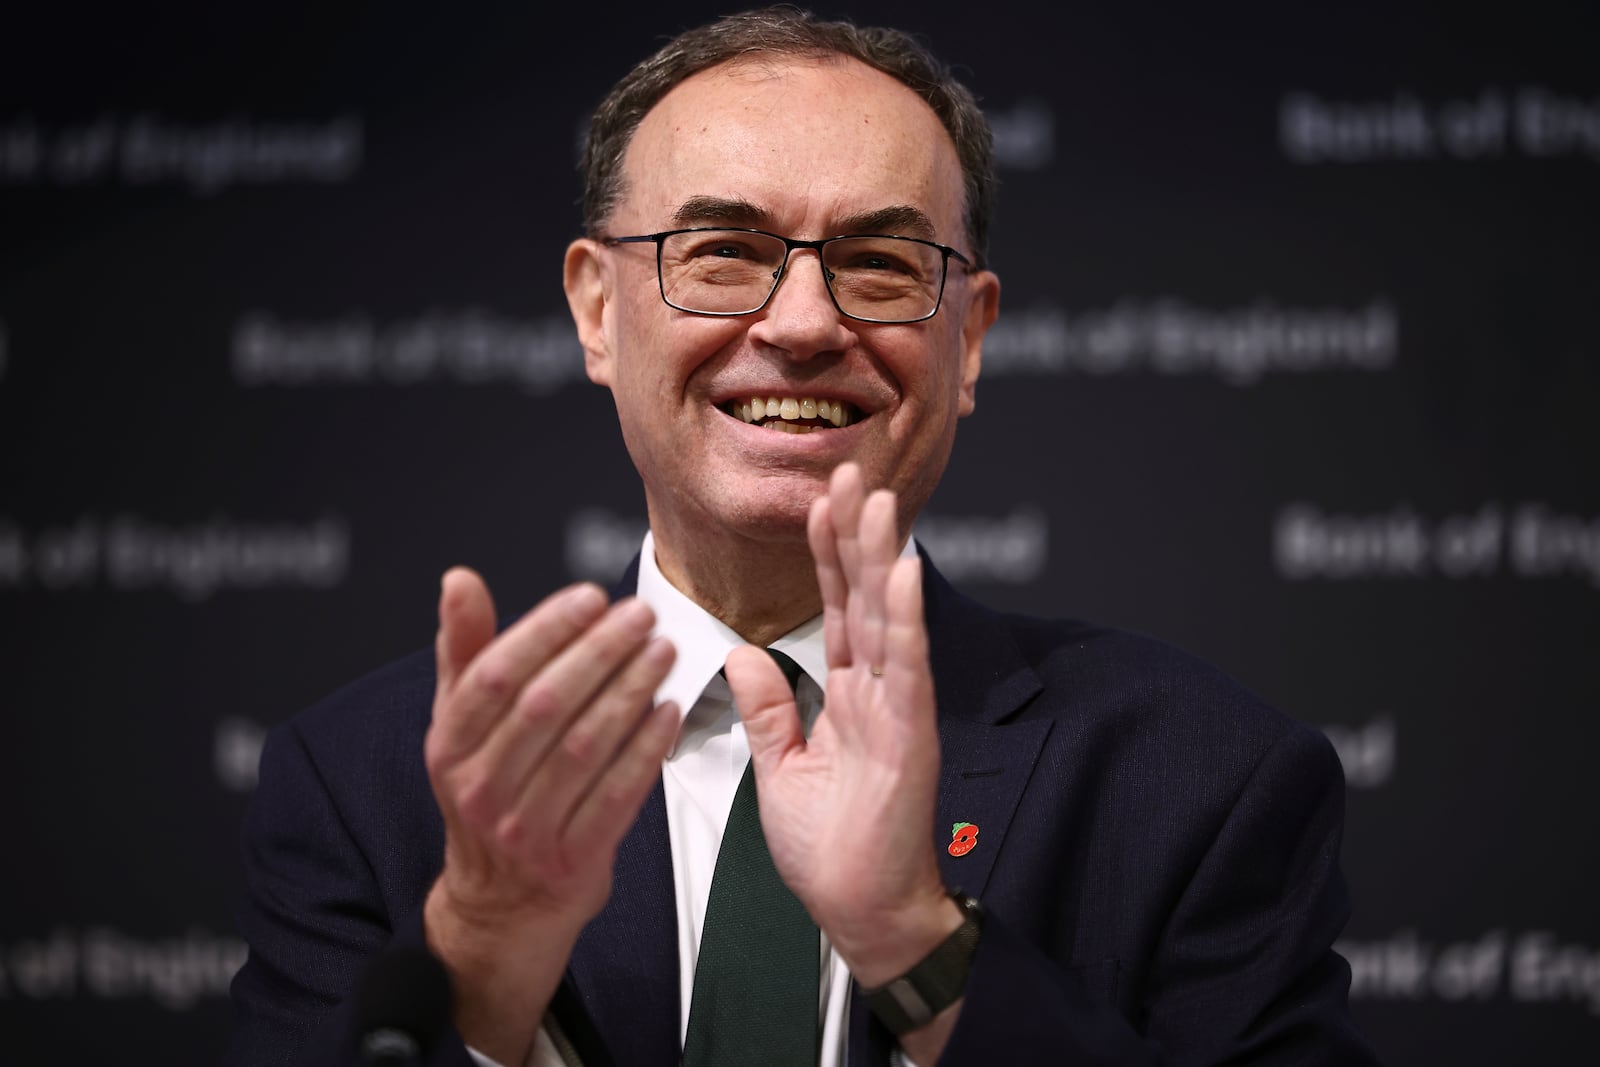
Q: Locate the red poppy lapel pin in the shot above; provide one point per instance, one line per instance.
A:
(963, 838)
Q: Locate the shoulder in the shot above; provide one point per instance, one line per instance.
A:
(375, 720)
(1124, 672)
(1136, 704)
(349, 769)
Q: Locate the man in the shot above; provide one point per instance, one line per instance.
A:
(783, 287)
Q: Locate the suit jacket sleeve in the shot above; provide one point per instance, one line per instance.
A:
(1242, 972)
(316, 911)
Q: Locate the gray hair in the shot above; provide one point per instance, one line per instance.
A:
(789, 31)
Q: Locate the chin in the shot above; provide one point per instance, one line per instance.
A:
(766, 509)
(773, 522)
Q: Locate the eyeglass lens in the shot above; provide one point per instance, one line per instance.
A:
(733, 272)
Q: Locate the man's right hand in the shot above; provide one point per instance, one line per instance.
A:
(543, 746)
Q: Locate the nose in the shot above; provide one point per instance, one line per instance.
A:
(801, 318)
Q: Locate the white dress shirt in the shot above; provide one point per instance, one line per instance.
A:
(701, 775)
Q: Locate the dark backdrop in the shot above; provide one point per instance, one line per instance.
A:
(1297, 368)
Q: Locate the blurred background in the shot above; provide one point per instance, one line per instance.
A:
(1297, 367)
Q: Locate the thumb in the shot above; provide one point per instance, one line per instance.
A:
(766, 704)
(466, 622)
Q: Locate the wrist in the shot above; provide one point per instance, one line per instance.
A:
(934, 987)
(888, 946)
(504, 967)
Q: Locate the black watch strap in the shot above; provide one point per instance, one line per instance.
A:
(914, 998)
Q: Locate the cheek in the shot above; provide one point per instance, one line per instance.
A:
(941, 359)
(940, 368)
(668, 349)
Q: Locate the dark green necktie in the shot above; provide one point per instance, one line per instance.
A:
(756, 981)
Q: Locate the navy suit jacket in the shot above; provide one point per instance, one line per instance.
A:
(1157, 854)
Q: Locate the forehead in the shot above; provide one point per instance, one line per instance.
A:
(807, 142)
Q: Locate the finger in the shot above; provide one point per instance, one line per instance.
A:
(590, 744)
(606, 812)
(466, 622)
(766, 704)
(830, 579)
(870, 592)
(906, 670)
(549, 704)
(845, 497)
(489, 685)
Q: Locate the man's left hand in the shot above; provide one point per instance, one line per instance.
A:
(848, 813)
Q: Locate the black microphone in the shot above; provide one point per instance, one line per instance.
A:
(402, 1007)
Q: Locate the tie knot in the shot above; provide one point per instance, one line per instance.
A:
(791, 670)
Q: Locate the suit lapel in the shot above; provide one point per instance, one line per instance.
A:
(983, 771)
(620, 997)
(981, 680)
(624, 967)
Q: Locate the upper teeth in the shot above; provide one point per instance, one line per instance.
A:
(790, 408)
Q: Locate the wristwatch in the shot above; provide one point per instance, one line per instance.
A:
(934, 984)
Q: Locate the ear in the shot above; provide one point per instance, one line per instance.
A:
(584, 280)
(983, 305)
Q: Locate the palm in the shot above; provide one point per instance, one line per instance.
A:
(848, 813)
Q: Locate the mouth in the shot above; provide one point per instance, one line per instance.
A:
(793, 414)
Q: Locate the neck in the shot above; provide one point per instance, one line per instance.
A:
(759, 589)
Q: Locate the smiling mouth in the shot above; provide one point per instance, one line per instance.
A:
(788, 414)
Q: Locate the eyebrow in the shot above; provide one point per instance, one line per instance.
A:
(735, 211)
(902, 219)
(699, 210)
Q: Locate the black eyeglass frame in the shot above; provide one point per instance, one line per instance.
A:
(789, 245)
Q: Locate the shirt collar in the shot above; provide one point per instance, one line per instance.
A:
(703, 641)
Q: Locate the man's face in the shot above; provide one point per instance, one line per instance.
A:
(809, 150)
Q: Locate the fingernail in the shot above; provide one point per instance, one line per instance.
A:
(635, 612)
(585, 599)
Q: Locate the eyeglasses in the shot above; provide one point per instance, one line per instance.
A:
(871, 277)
